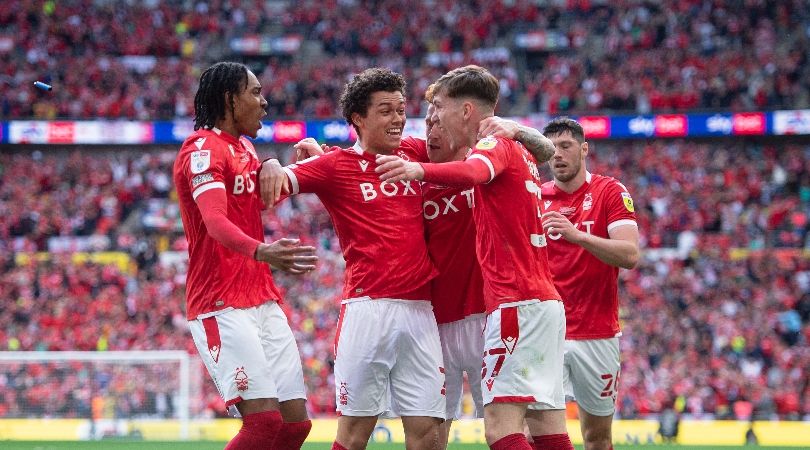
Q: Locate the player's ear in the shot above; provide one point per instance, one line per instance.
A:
(467, 109)
(585, 149)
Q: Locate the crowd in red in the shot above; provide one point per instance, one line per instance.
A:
(716, 319)
(141, 60)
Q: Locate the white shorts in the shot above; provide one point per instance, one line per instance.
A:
(591, 374)
(523, 354)
(462, 344)
(250, 353)
(387, 350)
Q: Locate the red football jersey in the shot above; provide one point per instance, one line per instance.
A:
(379, 225)
(510, 244)
(458, 290)
(219, 278)
(588, 286)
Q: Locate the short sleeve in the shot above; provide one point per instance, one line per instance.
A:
(413, 149)
(311, 174)
(203, 166)
(495, 153)
(620, 207)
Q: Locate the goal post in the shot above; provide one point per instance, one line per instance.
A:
(110, 390)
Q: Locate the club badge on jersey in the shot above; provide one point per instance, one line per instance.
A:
(200, 161)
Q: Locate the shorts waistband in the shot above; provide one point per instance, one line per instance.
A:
(414, 303)
(526, 302)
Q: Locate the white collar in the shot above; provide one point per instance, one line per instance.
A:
(357, 149)
(587, 177)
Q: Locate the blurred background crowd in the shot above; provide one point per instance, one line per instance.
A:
(716, 318)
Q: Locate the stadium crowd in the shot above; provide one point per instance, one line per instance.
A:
(717, 327)
(627, 55)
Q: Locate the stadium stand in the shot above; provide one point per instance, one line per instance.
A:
(717, 332)
(718, 327)
(568, 56)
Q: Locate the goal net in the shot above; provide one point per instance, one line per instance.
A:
(110, 394)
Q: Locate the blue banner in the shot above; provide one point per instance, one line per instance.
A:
(337, 131)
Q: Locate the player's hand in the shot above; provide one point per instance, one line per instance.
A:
(557, 224)
(272, 182)
(288, 255)
(308, 147)
(498, 127)
(393, 168)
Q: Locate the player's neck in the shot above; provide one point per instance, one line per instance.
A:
(228, 126)
(573, 184)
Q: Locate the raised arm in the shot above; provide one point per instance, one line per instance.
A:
(453, 174)
(538, 145)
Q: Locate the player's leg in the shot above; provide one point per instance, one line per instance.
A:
(364, 355)
(503, 426)
(353, 433)
(595, 369)
(473, 332)
(231, 349)
(417, 378)
(596, 431)
(505, 382)
(453, 375)
(523, 362)
(284, 360)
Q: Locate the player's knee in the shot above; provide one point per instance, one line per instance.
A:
(597, 438)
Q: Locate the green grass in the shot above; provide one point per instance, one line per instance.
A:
(138, 445)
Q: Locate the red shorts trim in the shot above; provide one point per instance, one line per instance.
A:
(339, 326)
(232, 401)
(514, 399)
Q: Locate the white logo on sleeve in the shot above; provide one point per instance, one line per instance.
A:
(200, 161)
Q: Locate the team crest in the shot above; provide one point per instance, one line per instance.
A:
(488, 143)
(200, 161)
(628, 202)
(241, 379)
(588, 203)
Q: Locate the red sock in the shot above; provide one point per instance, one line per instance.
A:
(553, 442)
(515, 441)
(336, 446)
(292, 435)
(259, 431)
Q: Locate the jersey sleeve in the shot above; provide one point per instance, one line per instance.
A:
(620, 208)
(203, 168)
(493, 152)
(413, 149)
(311, 174)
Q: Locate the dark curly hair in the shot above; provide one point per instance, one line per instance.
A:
(356, 96)
(563, 124)
(209, 102)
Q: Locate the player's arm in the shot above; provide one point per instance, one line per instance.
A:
(285, 254)
(620, 250)
(277, 181)
(467, 173)
(538, 145)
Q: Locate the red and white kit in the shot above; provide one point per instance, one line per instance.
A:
(525, 321)
(592, 363)
(232, 309)
(380, 227)
(458, 290)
